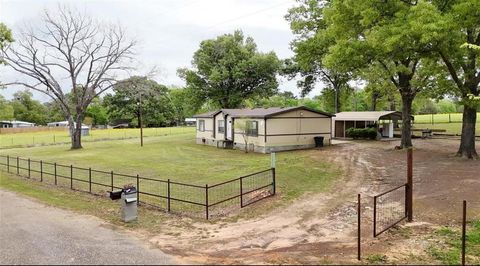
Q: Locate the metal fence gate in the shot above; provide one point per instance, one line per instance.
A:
(389, 208)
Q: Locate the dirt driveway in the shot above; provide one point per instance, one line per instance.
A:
(321, 227)
(32, 233)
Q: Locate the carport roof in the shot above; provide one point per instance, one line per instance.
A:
(368, 116)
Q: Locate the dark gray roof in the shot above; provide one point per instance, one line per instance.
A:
(260, 112)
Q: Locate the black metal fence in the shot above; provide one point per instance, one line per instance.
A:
(208, 201)
(389, 208)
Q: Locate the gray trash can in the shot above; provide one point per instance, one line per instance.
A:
(129, 204)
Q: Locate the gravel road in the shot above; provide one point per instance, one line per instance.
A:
(32, 233)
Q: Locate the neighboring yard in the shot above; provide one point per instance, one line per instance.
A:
(452, 123)
(55, 137)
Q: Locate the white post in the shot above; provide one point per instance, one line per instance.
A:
(272, 160)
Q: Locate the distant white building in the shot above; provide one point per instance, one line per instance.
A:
(190, 121)
(85, 128)
(15, 124)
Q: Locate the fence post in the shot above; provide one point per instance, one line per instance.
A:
(464, 229)
(374, 216)
(359, 228)
(241, 192)
(111, 179)
(41, 171)
(206, 201)
(54, 139)
(449, 118)
(138, 190)
(17, 166)
(28, 167)
(90, 179)
(55, 172)
(168, 195)
(8, 163)
(274, 181)
(410, 184)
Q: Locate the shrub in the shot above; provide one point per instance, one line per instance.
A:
(362, 133)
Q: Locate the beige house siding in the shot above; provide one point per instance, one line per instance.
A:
(294, 129)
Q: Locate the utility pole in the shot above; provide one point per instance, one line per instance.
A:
(139, 103)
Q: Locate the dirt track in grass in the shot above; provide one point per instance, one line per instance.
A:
(321, 228)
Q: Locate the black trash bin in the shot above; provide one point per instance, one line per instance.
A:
(318, 141)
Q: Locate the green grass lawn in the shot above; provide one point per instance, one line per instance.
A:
(452, 123)
(55, 137)
(441, 118)
(449, 250)
(178, 158)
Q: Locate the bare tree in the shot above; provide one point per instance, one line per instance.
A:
(69, 52)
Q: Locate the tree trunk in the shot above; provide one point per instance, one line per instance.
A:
(337, 99)
(75, 133)
(375, 97)
(407, 100)
(467, 142)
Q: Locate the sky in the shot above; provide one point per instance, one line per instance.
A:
(170, 31)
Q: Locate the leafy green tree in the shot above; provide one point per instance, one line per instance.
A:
(98, 112)
(184, 104)
(6, 109)
(5, 37)
(25, 108)
(140, 94)
(460, 57)
(392, 36)
(310, 46)
(229, 69)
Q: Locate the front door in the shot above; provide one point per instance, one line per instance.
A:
(229, 128)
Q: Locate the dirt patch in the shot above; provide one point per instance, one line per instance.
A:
(321, 228)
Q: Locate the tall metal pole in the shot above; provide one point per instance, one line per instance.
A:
(410, 184)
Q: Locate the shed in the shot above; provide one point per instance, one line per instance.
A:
(16, 124)
(384, 121)
(264, 130)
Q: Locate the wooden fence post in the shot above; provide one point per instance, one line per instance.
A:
(138, 189)
(359, 233)
(41, 171)
(464, 229)
(71, 176)
(28, 167)
(18, 171)
(55, 172)
(410, 184)
(8, 163)
(274, 181)
(111, 180)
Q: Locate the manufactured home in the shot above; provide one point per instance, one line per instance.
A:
(264, 130)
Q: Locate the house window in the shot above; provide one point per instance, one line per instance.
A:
(221, 126)
(201, 125)
(252, 128)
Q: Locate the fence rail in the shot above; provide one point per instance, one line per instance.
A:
(389, 209)
(211, 201)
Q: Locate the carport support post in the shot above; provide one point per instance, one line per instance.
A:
(410, 184)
